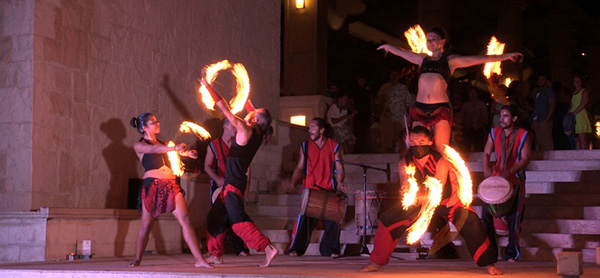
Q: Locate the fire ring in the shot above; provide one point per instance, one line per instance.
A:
(242, 85)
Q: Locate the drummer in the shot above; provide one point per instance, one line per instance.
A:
(318, 161)
(394, 222)
(512, 146)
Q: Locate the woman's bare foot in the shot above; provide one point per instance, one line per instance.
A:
(243, 254)
(335, 255)
(214, 260)
(203, 263)
(372, 267)
(270, 253)
(293, 254)
(135, 262)
(492, 270)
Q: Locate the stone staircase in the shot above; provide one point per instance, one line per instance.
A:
(562, 205)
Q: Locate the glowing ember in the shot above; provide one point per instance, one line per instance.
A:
(507, 81)
(417, 40)
(597, 126)
(465, 184)
(417, 229)
(494, 48)
(409, 197)
(176, 164)
(242, 86)
(189, 127)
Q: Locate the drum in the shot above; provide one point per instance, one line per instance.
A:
(323, 204)
(498, 193)
(373, 204)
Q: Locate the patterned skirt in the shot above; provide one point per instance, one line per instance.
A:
(158, 195)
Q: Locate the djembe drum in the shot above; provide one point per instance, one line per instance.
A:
(369, 220)
(321, 204)
(499, 194)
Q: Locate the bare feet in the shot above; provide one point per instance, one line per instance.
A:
(270, 253)
(372, 267)
(492, 270)
(335, 255)
(203, 263)
(214, 260)
(511, 260)
(293, 254)
(135, 262)
(243, 254)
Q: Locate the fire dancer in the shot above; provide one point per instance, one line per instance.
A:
(394, 222)
(432, 108)
(160, 192)
(251, 132)
(512, 146)
(217, 223)
(318, 160)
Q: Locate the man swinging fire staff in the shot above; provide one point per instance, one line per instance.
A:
(513, 147)
(394, 222)
(251, 132)
(318, 161)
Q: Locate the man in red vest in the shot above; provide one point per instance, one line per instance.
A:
(214, 165)
(513, 147)
(318, 158)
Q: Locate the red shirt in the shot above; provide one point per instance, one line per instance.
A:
(320, 164)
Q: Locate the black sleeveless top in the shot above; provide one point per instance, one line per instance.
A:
(439, 66)
(152, 161)
(239, 160)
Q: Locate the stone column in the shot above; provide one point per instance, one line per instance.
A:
(16, 112)
(305, 48)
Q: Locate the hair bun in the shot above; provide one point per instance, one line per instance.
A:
(135, 122)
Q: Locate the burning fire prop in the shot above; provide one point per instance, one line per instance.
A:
(242, 85)
(493, 71)
(434, 192)
(176, 164)
(189, 127)
(417, 40)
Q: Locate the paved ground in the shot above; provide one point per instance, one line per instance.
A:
(283, 266)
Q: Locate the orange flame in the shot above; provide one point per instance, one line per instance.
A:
(494, 48)
(190, 127)
(176, 164)
(417, 40)
(417, 229)
(463, 176)
(242, 86)
(409, 197)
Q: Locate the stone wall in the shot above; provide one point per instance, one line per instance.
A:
(98, 63)
(16, 91)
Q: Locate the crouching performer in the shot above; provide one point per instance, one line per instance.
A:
(394, 222)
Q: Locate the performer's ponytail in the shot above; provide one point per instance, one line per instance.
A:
(140, 121)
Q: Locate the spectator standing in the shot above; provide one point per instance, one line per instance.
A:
(340, 118)
(582, 122)
(544, 107)
(474, 121)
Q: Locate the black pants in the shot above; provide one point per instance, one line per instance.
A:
(330, 242)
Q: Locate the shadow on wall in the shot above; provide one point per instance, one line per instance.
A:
(121, 162)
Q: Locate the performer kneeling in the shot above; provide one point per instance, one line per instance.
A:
(318, 160)
(160, 192)
(251, 132)
(513, 147)
(394, 222)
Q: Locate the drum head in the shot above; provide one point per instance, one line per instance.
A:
(495, 190)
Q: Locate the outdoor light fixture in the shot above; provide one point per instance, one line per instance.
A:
(298, 120)
(299, 4)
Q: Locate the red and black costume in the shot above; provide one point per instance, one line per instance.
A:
(508, 152)
(319, 164)
(394, 222)
(217, 220)
(430, 114)
(157, 195)
(232, 198)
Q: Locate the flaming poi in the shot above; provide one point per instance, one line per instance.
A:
(190, 127)
(242, 85)
(417, 40)
(490, 69)
(435, 190)
(176, 164)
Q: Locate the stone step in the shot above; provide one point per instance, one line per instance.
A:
(279, 199)
(548, 155)
(548, 165)
(273, 223)
(563, 200)
(556, 240)
(549, 254)
(561, 226)
(555, 212)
